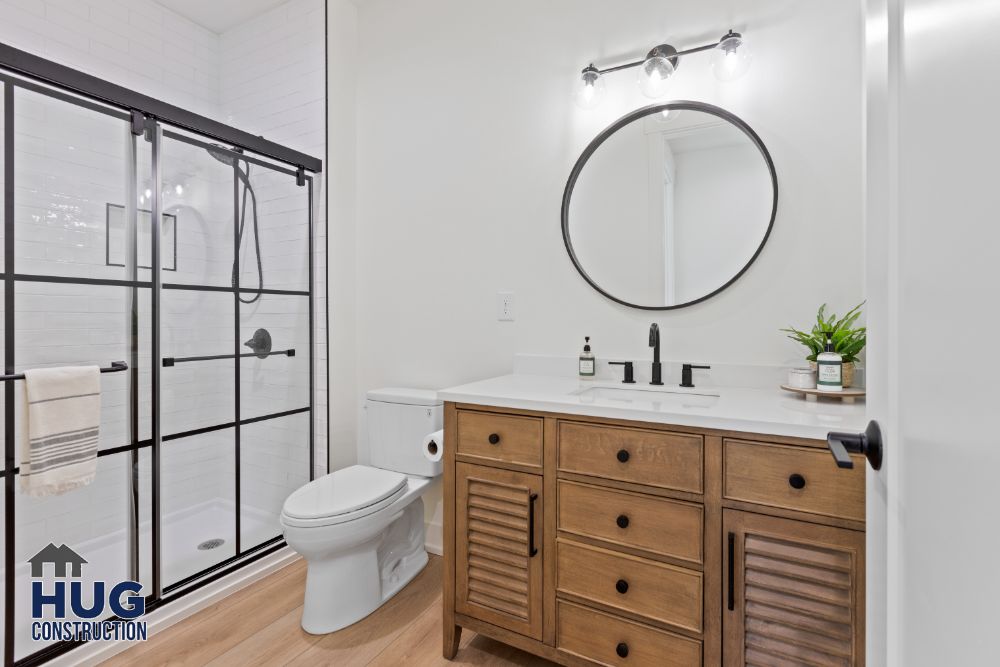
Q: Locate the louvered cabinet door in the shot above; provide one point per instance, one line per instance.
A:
(793, 593)
(498, 561)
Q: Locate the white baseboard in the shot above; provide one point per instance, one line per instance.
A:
(433, 539)
(93, 653)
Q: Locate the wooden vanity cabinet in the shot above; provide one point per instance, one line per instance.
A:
(498, 564)
(594, 541)
(794, 592)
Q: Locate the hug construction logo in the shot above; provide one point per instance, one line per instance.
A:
(63, 610)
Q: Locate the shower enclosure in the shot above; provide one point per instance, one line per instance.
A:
(137, 232)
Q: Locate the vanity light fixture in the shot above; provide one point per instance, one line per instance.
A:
(730, 60)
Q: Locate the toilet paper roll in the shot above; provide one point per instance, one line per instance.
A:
(434, 446)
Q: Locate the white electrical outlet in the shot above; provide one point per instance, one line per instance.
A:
(505, 306)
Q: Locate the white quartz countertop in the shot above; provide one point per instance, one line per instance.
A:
(752, 410)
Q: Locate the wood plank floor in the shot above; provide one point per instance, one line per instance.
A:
(259, 625)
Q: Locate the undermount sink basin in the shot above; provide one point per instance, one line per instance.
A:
(655, 399)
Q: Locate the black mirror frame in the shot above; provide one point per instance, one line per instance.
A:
(622, 122)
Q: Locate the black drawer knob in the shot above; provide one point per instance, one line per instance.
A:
(623, 455)
(494, 438)
(797, 481)
(622, 650)
(621, 586)
(622, 521)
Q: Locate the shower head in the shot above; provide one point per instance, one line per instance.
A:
(222, 154)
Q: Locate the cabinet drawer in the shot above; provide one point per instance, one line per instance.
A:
(659, 592)
(769, 475)
(609, 640)
(500, 437)
(654, 458)
(658, 525)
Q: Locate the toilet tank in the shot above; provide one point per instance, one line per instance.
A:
(398, 420)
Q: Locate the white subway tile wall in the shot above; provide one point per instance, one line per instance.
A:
(272, 83)
(266, 77)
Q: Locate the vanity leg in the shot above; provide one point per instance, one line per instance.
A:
(452, 633)
(452, 638)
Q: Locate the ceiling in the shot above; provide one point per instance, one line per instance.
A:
(220, 15)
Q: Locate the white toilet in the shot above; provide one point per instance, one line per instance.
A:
(361, 529)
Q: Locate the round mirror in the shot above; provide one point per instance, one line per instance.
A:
(669, 205)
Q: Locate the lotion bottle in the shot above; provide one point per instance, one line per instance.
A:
(829, 368)
(588, 364)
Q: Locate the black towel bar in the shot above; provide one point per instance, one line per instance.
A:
(115, 367)
(170, 361)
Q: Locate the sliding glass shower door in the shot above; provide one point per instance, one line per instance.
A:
(127, 240)
(235, 322)
(67, 163)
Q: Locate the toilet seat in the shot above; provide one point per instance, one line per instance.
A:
(344, 495)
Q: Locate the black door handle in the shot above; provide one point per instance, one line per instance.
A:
(532, 551)
(868, 443)
(494, 438)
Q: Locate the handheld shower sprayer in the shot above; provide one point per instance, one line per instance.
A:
(231, 158)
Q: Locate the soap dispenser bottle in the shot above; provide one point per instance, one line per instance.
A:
(588, 364)
(829, 368)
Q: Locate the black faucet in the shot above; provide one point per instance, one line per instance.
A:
(686, 374)
(654, 342)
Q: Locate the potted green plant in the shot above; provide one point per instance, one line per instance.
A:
(848, 340)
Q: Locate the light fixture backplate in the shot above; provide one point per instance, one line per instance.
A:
(665, 51)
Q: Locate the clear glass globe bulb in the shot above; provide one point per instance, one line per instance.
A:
(653, 75)
(731, 58)
(590, 89)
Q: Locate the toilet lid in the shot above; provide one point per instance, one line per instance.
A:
(343, 492)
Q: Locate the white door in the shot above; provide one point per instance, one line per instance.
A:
(933, 286)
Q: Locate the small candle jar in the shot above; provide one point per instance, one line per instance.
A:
(802, 378)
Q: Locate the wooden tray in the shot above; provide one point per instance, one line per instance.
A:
(847, 395)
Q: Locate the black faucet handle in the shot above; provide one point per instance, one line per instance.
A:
(629, 370)
(686, 380)
(654, 334)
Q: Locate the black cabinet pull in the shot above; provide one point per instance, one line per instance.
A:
(494, 438)
(622, 650)
(731, 573)
(531, 525)
(797, 481)
(622, 521)
(621, 586)
(623, 455)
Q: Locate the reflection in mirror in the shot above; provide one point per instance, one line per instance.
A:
(670, 207)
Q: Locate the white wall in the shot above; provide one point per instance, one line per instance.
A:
(341, 169)
(463, 155)
(467, 133)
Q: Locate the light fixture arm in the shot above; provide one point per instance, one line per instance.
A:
(664, 49)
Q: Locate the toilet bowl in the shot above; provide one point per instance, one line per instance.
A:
(361, 529)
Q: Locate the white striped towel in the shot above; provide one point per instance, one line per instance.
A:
(61, 424)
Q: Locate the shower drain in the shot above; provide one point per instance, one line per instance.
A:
(211, 544)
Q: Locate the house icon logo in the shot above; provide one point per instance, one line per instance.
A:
(67, 607)
(60, 557)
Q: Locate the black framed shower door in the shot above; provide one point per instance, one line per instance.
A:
(225, 409)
